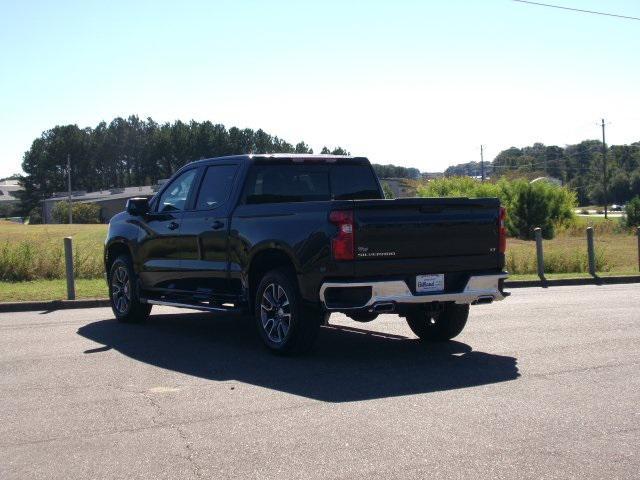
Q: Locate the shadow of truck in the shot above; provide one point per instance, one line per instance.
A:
(348, 364)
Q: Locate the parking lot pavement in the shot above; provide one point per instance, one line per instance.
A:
(543, 385)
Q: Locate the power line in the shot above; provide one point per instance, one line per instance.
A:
(577, 10)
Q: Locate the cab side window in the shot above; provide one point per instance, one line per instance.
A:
(216, 186)
(175, 197)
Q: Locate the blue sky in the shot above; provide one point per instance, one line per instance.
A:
(415, 83)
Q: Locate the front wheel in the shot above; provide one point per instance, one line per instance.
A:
(438, 326)
(123, 292)
(284, 323)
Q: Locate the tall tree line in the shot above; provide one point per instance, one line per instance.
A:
(132, 151)
(395, 171)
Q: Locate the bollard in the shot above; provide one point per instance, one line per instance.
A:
(638, 233)
(591, 251)
(68, 260)
(539, 252)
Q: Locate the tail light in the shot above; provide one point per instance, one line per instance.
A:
(502, 231)
(342, 243)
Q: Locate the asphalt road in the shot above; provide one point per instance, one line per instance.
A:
(543, 385)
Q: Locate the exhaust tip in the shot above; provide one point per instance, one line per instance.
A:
(484, 300)
(384, 307)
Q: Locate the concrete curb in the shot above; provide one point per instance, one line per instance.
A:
(104, 302)
(565, 282)
(53, 305)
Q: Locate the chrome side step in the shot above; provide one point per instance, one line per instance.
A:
(204, 308)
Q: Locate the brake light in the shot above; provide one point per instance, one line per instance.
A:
(502, 231)
(342, 243)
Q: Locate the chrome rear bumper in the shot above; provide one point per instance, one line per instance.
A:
(479, 289)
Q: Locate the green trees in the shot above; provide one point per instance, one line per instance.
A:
(632, 212)
(132, 151)
(619, 187)
(529, 205)
(335, 151)
(580, 166)
(394, 171)
(472, 169)
(539, 204)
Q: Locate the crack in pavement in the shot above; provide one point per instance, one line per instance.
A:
(190, 452)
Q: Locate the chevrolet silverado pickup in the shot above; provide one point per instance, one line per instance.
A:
(289, 239)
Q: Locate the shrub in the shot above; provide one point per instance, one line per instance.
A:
(82, 212)
(388, 193)
(8, 210)
(35, 216)
(632, 212)
(529, 205)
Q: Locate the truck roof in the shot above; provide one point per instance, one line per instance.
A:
(266, 157)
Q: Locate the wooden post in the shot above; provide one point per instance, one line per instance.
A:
(539, 252)
(591, 252)
(68, 260)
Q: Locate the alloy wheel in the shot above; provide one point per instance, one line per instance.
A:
(275, 313)
(121, 290)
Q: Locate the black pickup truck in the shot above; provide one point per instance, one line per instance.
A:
(292, 238)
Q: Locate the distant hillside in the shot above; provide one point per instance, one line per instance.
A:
(471, 169)
(580, 166)
(393, 171)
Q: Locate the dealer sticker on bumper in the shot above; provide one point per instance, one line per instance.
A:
(430, 283)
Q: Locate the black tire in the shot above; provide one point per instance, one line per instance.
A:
(363, 317)
(441, 326)
(284, 323)
(123, 292)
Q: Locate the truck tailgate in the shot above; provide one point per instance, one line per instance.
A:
(419, 229)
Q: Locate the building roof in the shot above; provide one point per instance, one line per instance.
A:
(10, 183)
(6, 195)
(103, 195)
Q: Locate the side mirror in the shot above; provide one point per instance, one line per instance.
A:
(137, 206)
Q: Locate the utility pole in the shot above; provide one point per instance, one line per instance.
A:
(69, 185)
(605, 183)
(482, 161)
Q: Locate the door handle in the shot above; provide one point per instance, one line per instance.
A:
(217, 225)
(173, 226)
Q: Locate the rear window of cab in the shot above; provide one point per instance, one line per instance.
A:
(280, 183)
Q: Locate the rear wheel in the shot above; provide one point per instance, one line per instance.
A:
(123, 292)
(441, 325)
(284, 323)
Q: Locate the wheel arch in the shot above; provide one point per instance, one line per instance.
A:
(113, 251)
(264, 260)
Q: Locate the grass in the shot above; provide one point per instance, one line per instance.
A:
(32, 258)
(560, 276)
(616, 250)
(36, 252)
(43, 290)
